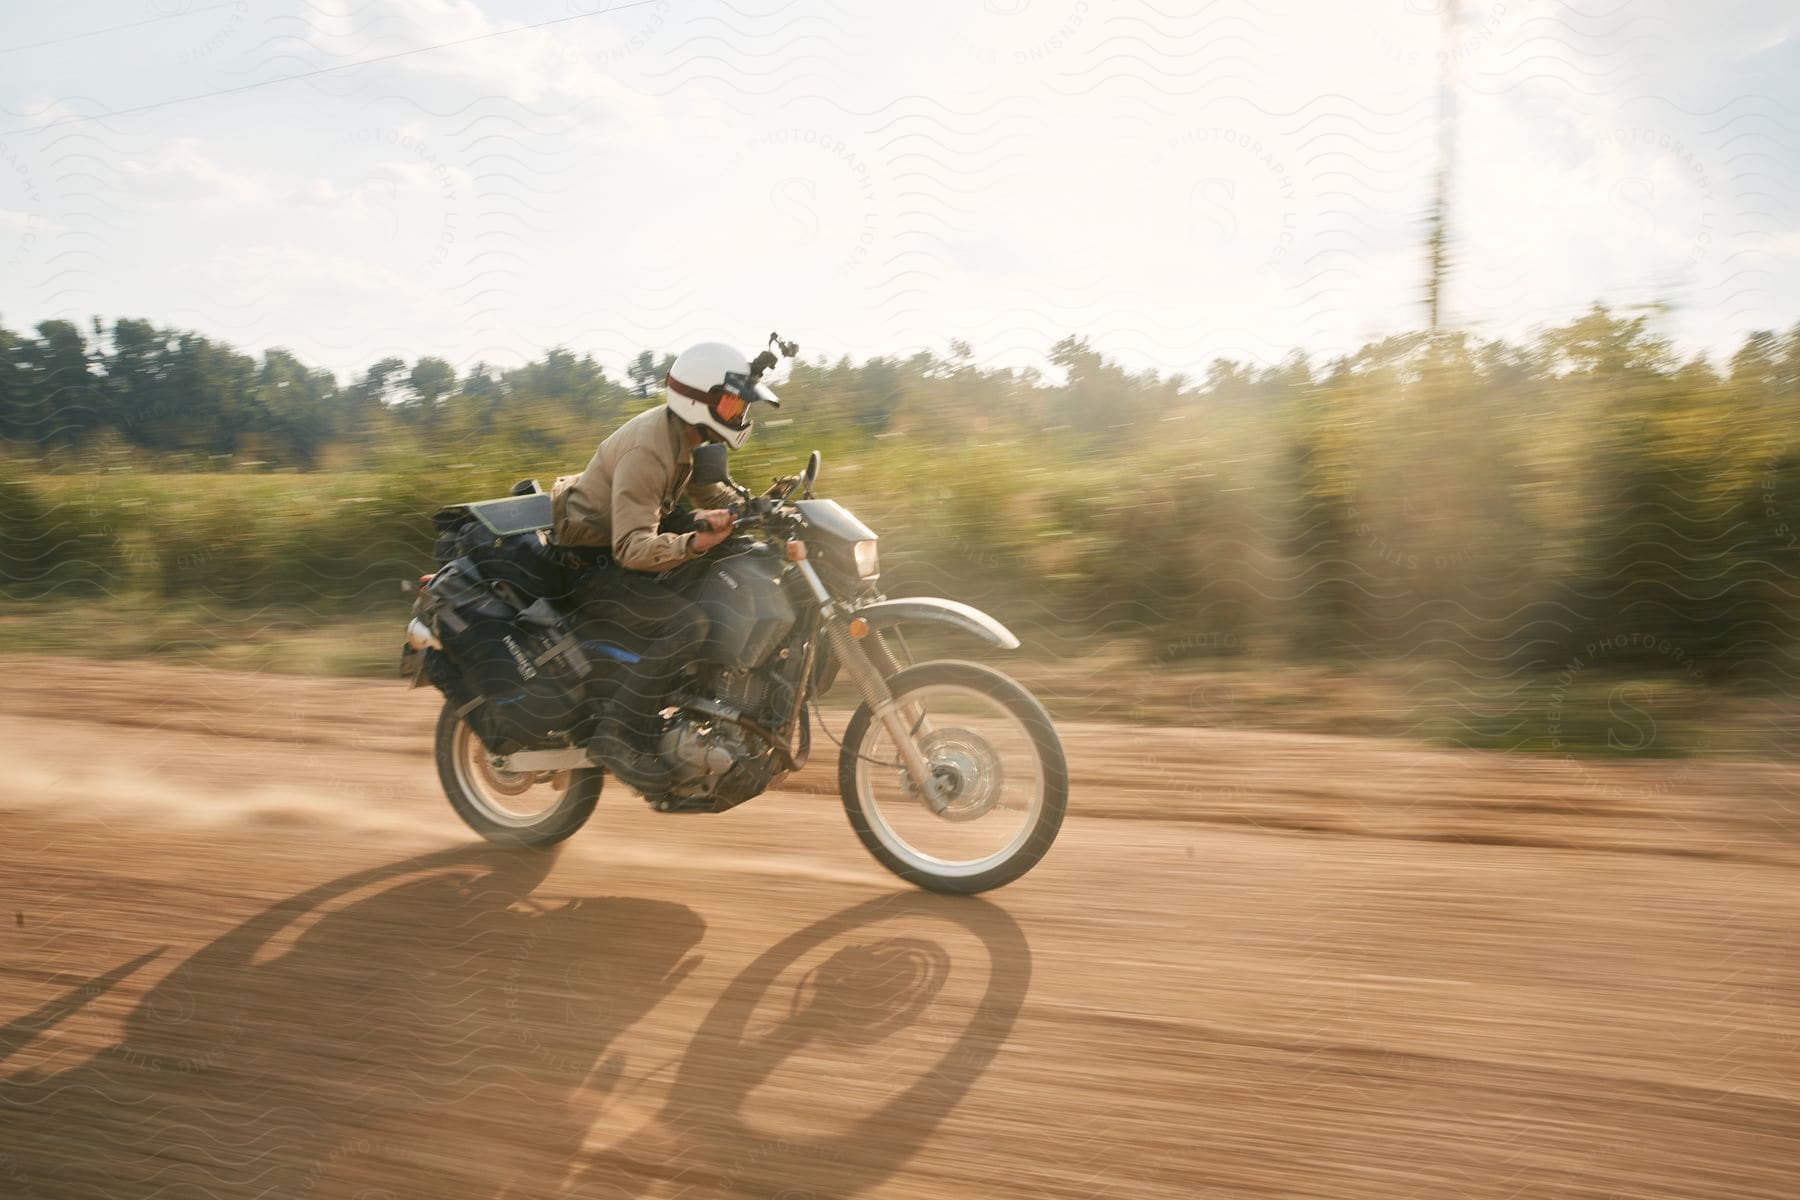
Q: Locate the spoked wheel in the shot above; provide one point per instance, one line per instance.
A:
(1004, 784)
(525, 808)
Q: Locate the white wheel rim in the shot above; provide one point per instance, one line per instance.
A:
(488, 790)
(896, 843)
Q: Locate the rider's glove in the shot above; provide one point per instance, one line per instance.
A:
(678, 520)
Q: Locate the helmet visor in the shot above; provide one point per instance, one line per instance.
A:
(752, 390)
(727, 405)
(725, 402)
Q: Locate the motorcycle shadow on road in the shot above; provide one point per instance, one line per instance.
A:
(814, 1021)
(421, 1024)
(428, 1028)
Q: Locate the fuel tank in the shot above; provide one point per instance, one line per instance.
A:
(749, 612)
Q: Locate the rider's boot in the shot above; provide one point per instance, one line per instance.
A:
(620, 748)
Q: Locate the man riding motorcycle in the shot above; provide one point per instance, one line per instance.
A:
(614, 518)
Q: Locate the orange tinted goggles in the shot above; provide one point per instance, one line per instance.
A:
(726, 404)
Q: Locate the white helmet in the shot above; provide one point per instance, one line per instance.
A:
(710, 385)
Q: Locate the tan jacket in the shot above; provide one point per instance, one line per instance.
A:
(629, 486)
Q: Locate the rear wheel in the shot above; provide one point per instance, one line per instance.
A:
(992, 746)
(529, 808)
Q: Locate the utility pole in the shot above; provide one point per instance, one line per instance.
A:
(1438, 244)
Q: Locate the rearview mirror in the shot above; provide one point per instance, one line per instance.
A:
(711, 464)
(810, 476)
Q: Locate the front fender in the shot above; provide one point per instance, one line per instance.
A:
(885, 614)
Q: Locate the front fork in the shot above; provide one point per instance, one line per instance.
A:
(876, 694)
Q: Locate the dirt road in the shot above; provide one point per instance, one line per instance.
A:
(246, 950)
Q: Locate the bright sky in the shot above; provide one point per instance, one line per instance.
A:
(1175, 180)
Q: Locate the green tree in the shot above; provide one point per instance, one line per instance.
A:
(64, 402)
(431, 380)
(368, 396)
(294, 406)
(575, 385)
(1097, 395)
(17, 395)
(643, 374)
(483, 393)
(137, 378)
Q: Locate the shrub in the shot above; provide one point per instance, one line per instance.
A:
(46, 546)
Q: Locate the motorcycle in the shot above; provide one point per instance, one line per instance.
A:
(951, 773)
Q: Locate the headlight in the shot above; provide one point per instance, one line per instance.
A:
(868, 566)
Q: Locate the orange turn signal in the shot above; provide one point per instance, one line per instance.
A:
(796, 551)
(859, 628)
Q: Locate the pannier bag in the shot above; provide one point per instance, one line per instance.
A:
(517, 672)
(524, 562)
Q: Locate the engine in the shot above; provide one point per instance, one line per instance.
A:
(701, 751)
(746, 691)
(714, 761)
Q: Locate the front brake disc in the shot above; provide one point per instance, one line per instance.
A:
(970, 762)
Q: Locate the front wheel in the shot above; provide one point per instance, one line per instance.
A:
(512, 808)
(994, 748)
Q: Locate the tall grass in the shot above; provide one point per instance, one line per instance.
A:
(1472, 514)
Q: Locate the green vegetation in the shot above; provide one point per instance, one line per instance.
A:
(1473, 520)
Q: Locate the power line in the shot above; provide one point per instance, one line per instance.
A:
(362, 62)
(76, 37)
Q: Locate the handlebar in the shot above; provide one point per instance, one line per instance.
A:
(759, 510)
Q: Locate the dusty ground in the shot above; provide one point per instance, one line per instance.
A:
(246, 950)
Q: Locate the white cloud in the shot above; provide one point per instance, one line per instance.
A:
(553, 71)
(180, 172)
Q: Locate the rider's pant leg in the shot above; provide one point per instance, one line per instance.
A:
(668, 628)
